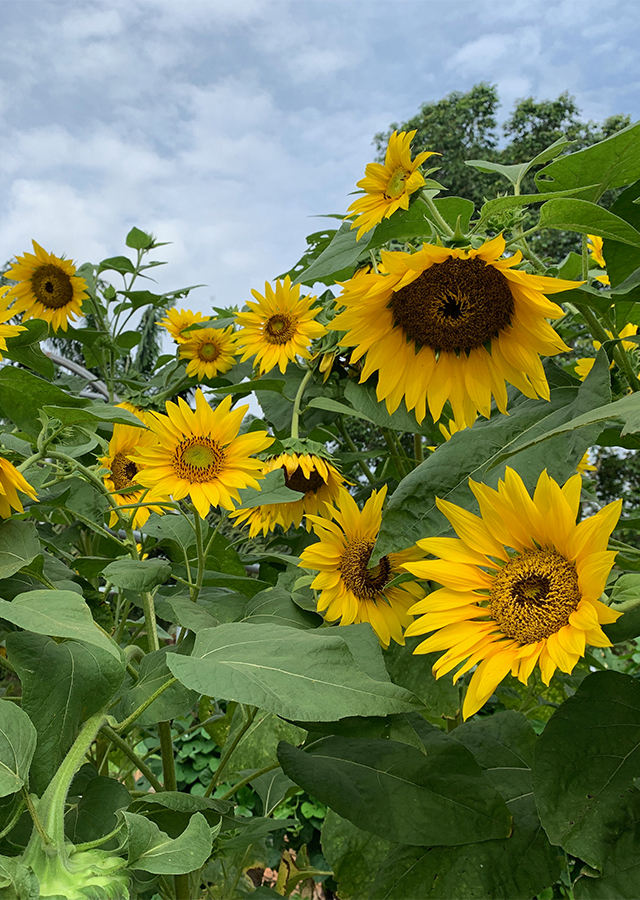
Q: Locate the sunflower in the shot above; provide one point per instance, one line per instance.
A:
(585, 466)
(349, 591)
(179, 319)
(12, 481)
(210, 351)
(7, 331)
(47, 288)
(584, 365)
(278, 327)
(520, 586)
(451, 324)
(313, 476)
(388, 187)
(200, 454)
(123, 472)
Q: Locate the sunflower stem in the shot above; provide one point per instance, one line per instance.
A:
(437, 217)
(386, 433)
(520, 237)
(620, 355)
(249, 778)
(124, 725)
(250, 712)
(417, 447)
(166, 751)
(150, 620)
(366, 471)
(122, 745)
(295, 416)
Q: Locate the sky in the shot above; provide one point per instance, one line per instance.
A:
(225, 126)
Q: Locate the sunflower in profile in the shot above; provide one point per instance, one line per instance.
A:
(584, 365)
(349, 591)
(308, 473)
(388, 187)
(520, 586)
(210, 351)
(177, 320)
(6, 330)
(200, 454)
(47, 288)
(123, 472)
(279, 326)
(12, 481)
(451, 324)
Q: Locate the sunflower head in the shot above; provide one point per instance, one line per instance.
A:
(278, 327)
(388, 187)
(451, 324)
(47, 288)
(520, 585)
(210, 351)
(177, 320)
(350, 591)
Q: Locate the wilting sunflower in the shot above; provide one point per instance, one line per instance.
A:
(313, 476)
(179, 319)
(47, 288)
(584, 365)
(210, 351)
(7, 331)
(451, 324)
(12, 481)
(349, 591)
(520, 586)
(388, 187)
(123, 472)
(278, 327)
(200, 454)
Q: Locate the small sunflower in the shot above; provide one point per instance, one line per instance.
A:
(451, 324)
(210, 351)
(200, 454)
(313, 476)
(177, 320)
(349, 591)
(520, 586)
(584, 365)
(6, 330)
(47, 288)
(278, 327)
(123, 472)
(12, 481)
(585, 466)
(388, 187)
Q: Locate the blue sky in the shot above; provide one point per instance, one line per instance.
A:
(224, 125)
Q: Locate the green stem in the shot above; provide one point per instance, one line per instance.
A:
(224, 759)
(619, 354)
(150, 620)
(5, 664)
(295, 416)
(13, 821)
(166, 751)
(249, 778)
(436, 216)
(585, 258)
(121, 744)
(91, 845)
(42, 834)
(520, 237)
(123, 726)
(366, 471)
(182, 888)
(417, 447)
(394, 451)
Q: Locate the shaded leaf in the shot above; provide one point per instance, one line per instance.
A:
(19, 546)
(17, 746)
(138, 574)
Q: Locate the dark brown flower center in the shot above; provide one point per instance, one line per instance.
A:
(280, 329)
(534, 594)
(198, 459)
(123, 472)
(298, 481)
(52, 286)
(364, 583)
(455, 305)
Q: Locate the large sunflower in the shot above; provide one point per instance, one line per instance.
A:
(349, 591)
(316, 478)
(12, 481)
(47, 288)
(210, 351)
(450, 324)
(123, 472)
(520, 586)
(388, 187)
(278, 327)
(177, 320)
(200, 454)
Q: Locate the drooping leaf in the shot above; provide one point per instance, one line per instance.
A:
(138, 574)
(19, 546)
(153, 851)
(257, 747)
(93, 415)
(170, 527)
(275, 606)
(17, 746)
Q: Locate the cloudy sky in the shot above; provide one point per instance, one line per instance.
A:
(224, 125)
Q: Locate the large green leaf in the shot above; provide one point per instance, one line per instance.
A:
(300, 675)
(587, 218)
(22, 395)
(512, 201)
(62, 614)
(390, 788)
(621, 875)
(257, 747)
(483, 452)
(343, 252)
(441, 697)
(93, 415)
(170, 527)
(153, 851)
(586, 762)
(153, 673)
(93, 814)
(138, 574)
(621, 259)
(353, 854)
(275, 607)
(19, 546)
(62, 685)
(17, 746)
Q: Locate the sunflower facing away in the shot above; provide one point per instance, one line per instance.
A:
(451, 324)
(12, 481)
(520, 586)
(349, 591)
(584, 365)
(200, 454)
(177, 320)
(47, 288)
(123, 472)
(210, 351)
(388, 187)
(316, 478)
(279, 326)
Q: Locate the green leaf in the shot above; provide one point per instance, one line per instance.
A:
(453, 208)
(62, 614)
(390, 788)
(19, 546)
(22, 395)
(343, 252)
(32, 357)
(513, 172)
(153, 851)
(138, 574)
(275, 607)
(614, 162)
(94, 813)
(335, 406)
(153, 673)
(17, 881)
(353, 854)
(258, 746)
(621, 259)
(587, 218)
(272, 490)
(96, 413)
(118, 264)
(170, 527)
(62, 685)
(17, 746)
(36, 331)
(183, 611)
(300, 675)
(138, 240)
(272, 788)
(364, 400)
(502, 204)
(621, 874)
(585, 765)
(625, 598)
(172, 810)
(441, 697)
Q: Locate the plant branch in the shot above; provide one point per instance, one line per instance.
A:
(224, 759)
(121, 744)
